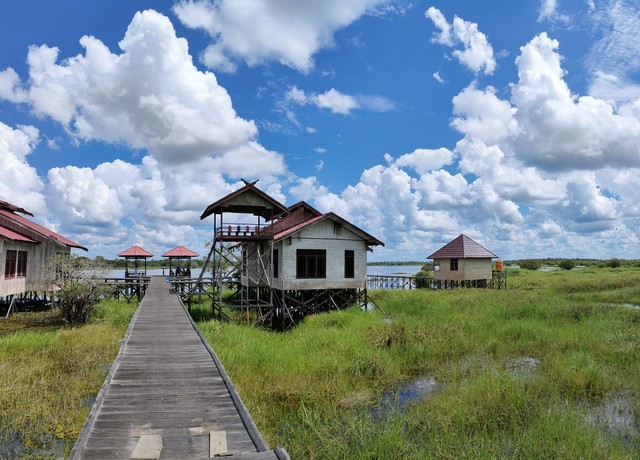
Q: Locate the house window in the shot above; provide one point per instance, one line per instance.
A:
(10, 264)
(349, 264)
(276, 265)
(311, 263)
(22, 264)
(453, 265)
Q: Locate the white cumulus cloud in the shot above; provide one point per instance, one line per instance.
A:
(256, 31)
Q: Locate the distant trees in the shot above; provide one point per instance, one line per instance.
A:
(78, 283)
(567, 264)
(613, 263)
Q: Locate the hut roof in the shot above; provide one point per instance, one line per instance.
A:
(370, 240)
(135, 251)
(11, 214)
(462, 247)
(247, 200)
(180, 251)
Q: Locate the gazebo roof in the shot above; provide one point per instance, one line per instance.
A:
(135, 251)
(462, 247)
(181, 252)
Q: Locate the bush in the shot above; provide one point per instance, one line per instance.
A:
(567, 264)
(614, 263)
(78, 285)
(530, 264)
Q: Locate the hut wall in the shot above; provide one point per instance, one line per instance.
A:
(37, 256)
(468, 269)
(326, 235)
(335, 240)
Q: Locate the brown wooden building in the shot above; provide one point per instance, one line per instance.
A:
(463, 262)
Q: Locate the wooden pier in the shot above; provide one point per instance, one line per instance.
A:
(167, 395)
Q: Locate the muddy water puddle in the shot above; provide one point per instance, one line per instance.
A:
(616, 417)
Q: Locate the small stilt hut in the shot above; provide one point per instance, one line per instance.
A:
(138, 257)
(182, 257)
(462, 262)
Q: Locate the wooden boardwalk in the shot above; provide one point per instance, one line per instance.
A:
(167, 395)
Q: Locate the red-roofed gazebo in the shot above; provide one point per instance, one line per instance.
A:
(136, 254)
(180, 254)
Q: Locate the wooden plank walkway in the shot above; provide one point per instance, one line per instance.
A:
(167, 395)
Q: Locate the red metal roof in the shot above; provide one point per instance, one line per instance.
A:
(10, 234)
(13, 208)
(40, 229)
(462, 247)
(135, 251)
(370, 240)
(180, 251)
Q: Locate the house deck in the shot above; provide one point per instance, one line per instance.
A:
(167, 394)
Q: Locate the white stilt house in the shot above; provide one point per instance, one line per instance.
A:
(297, 260)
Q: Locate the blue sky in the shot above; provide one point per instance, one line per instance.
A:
(516, 123)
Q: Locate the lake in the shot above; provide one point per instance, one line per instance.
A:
(382, 270)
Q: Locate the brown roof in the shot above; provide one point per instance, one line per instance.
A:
(135, 251)
(38, 228)
(259, 203)
(180, 251)
(462, 247)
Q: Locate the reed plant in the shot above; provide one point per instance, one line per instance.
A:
(520, 372)
(49, 375)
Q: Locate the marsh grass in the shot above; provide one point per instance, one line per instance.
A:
(518, 371)
(48, 374)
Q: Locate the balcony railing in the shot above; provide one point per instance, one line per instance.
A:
(243, 231)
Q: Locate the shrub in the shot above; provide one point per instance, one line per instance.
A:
(78, 285)
(567, 264)
(530, 264)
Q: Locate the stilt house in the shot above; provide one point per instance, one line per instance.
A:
(294, 260)
(25, 248)
(462, 262)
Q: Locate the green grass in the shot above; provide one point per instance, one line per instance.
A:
(313, 389)
(49, 373)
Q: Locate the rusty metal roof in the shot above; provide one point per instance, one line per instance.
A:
(135, 251)
(13, 208)
(247, 200)
(180, 251)
(462, 247)
(39, 228)
(10, 234)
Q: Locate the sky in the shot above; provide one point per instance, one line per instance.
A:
(515, 123)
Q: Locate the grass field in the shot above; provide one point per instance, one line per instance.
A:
(49, 375)
(549, 368)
